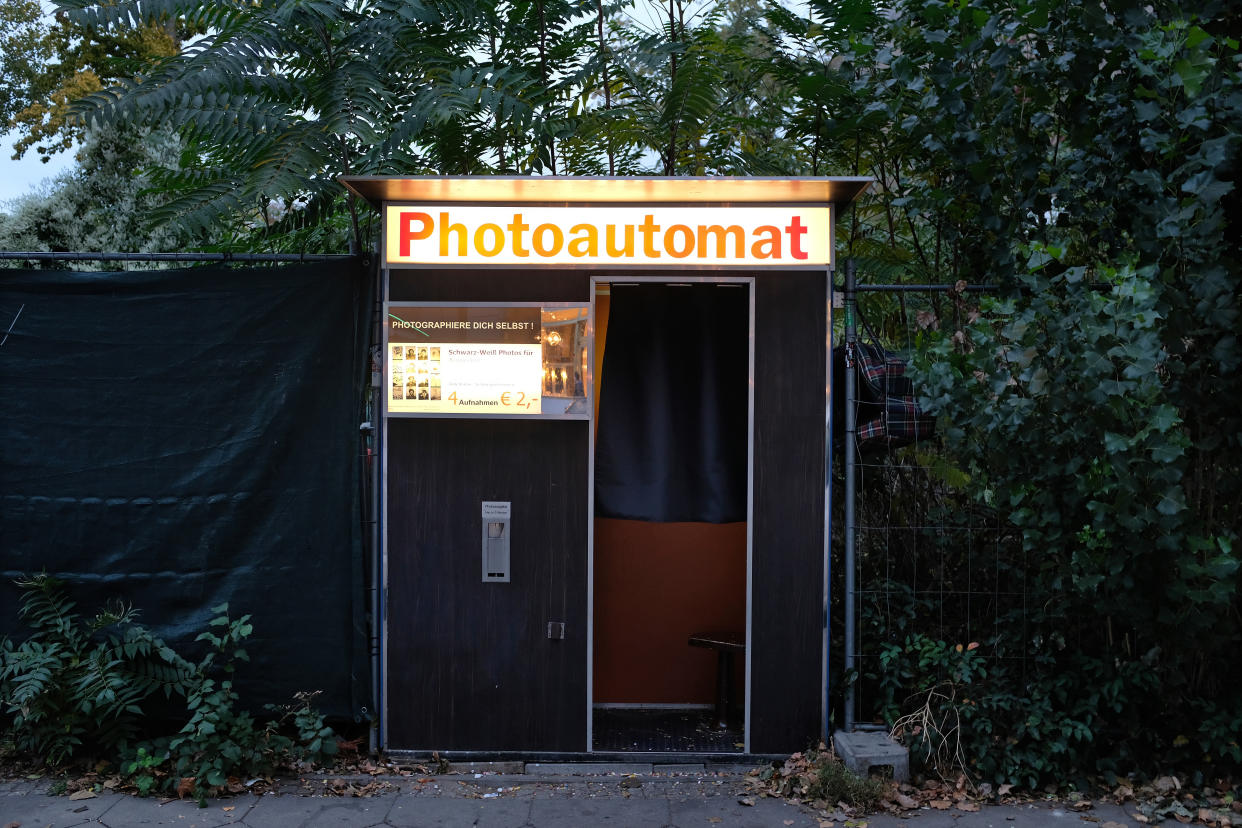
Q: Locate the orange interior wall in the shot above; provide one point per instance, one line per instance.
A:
(655, 585)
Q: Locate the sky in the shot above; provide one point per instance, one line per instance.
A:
(17, 178)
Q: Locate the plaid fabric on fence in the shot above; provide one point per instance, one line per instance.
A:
(896, 418)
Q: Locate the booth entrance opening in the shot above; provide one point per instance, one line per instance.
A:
(670, 541)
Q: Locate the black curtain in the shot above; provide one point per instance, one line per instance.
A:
(672, 420)
(179, 439)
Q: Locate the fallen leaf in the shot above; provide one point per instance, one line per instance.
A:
(228, 807)
(1112, 825)
(1004, 789)
(1082, 805)
(907, 802)
(969, 807)
(826, 823)
(713, 819)
(1139, 818)
(185, 787)
(940, 804)
(76, 795)
(746, 800)
(786, 822)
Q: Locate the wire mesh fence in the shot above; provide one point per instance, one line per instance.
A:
(934, 570)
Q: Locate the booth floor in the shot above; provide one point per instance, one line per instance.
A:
(624, 730)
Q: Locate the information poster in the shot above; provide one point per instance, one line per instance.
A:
(464, 360)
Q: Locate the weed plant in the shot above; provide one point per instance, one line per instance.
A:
(75, 689)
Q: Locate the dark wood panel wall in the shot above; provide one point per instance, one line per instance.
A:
(787, 562)
(533, 285)
(470, 665)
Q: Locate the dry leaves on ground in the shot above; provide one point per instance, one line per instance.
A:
(343, 787)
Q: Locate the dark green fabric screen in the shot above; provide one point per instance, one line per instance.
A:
(184, 438)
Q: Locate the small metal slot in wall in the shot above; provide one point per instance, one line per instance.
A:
(497, 530)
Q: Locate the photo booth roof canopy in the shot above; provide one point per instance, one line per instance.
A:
(602, 189)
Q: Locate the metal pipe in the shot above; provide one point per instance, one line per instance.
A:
(826, 701)
(851, 451)
(77, 256)
(377, 367)
(921, 288)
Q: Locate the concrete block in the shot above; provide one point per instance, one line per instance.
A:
(863, 750)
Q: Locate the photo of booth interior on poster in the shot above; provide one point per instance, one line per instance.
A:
(501, 360)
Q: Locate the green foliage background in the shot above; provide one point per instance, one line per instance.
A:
(1081, 156)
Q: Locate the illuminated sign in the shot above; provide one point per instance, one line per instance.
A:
(464, 360)
(450, 234)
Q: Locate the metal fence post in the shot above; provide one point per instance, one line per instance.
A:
(851, 454)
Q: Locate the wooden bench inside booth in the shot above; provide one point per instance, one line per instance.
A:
(727, 645)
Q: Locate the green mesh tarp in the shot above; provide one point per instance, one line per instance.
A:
(184, 438)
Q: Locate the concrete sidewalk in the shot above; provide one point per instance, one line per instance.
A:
(544, 800)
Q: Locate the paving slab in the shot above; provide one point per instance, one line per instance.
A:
(504, 813)
(583, 811)
(126, 811)
(28, 803)
(512, 801)
(1028, 815)
(422, 811)
(297, 811)
(729, 812)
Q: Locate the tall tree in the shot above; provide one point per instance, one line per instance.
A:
(101, 203)
(45, 65)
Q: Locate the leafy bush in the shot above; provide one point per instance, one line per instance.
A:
(76, 687)
(220, 742)
(1090, 405)
(78, 684)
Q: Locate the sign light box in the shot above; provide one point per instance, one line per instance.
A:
(469, 360)
(627, 236)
